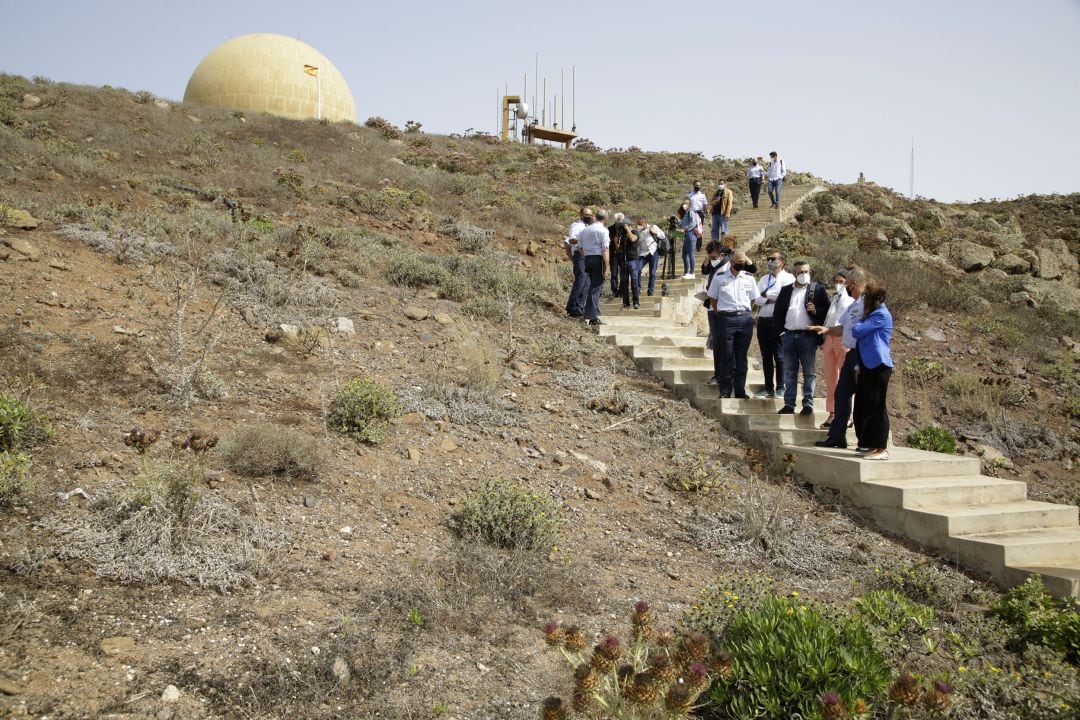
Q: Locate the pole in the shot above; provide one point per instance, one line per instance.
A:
(318, 95)
(536, 83)
(911, 188)
(543, 120)
(562, 98)
(573, 108)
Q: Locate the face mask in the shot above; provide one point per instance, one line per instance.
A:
(840, 288)
(772, 265)
(803, 278)
(737, 267)
(716, 262)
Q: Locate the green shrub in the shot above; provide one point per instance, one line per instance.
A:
(349, 279)
(14, 474)
(1072, 405)
(695, 474)
(1039, 619)
(362, 409)
(787, 654)
(470, 238)
(933, 438)
(21, 427)
(923, 370)
(1001, 332)
(271, 451)
(507, 515)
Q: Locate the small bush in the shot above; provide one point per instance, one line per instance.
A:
(967, 396)
(923, 370)
(470, 238)
(1039, 619)
(787, 655)
(14, 475)
(349, 279)
(144, 97)
(507, 515)
(271, 451)
(362, 409)
(696, 474)
(21, 427)
(933, 438)
(1072, 406)
(1001, 332)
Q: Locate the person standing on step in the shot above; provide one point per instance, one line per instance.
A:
(731, 294)
(631, 285)
(799, 307)
(845, 384)
(575, 304)
(834, 349)
(716, 260)
(777, 172)
(649, 237)
(595, 243)
(698, 201)
(772, 360)
(617, 231)
(753, 178)
(873, 334)
(691, 225)
(721, 209)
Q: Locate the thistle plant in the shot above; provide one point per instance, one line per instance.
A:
(910, 700)
(657, 676)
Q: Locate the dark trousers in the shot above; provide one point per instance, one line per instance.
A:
(755, 190)
(651, 261)
(845, 389)
(701, 219)
(594, 269)
(631, 287)
(871, 415)
(731, 340)
(575, 305)
(618, 275)
(772, 360)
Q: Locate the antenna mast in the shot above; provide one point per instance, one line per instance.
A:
(573, 90)
(911, 187)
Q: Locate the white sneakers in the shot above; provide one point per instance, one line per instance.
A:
(876, 455)
(688, 276)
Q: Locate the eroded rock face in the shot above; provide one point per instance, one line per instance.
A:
(1012, 264)
(1055, 260)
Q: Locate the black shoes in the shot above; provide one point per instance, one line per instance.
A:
(831, 442)
(637, 305)
(627, 307)
(807, 411)
(743, 396)
(593, 322)
(786, 410)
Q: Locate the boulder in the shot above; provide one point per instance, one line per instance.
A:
(416, 313)
(893, 227)
(344, 326)
(968, 256)
(1021, 298)
(30, 101)
(23, 249)
(16, 218)
(1012, 264)
(1055, 260)
(842, 212)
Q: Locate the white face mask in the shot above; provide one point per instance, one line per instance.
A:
(841, 288)
(716, 262)
(803, 278)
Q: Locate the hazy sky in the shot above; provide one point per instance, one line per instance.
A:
(989, 89)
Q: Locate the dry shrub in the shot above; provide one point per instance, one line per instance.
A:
(273, 451)
(164, 529)
(14, 475)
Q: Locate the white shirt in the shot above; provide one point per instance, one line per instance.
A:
(769, 286)
(572, 234)
(594, 240)
(732, 293)
(776, 169)
(848, 318)
(797, 317)
(698, 200)
(647, 237)
(841, 301)
(755, 172)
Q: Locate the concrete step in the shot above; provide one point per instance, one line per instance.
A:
(1061, 580)
(934, 525)
(929, 492)
(1025, 548)
(665, 351)
(645, 326)
(840, 468)
(628, 340)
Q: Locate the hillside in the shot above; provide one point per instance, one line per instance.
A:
(205, 274)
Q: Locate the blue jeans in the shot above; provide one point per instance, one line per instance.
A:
(631, 281)
(688, 253)
(731, 340)
(719, 226)
(575, 305)
(594, 269)
(618, 278)
(651, 261)
(774, 190)
(845, 390)
(799, 348)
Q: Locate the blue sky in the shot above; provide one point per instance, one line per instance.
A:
(988, 89)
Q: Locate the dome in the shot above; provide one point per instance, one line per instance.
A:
(274, 74)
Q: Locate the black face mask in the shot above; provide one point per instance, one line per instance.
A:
(737, 267)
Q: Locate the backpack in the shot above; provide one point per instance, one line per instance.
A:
(663, 245)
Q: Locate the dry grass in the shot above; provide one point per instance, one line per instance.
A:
(266, 450)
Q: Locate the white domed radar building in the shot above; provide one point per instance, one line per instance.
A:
(270, 73)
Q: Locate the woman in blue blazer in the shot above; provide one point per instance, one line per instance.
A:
(873, 334)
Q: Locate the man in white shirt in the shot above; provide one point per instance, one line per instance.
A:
(575, 304)
(731, 296)
(777, 172)
(798, 307)
(772, 360)
(594, 242)
(753, 180)
(698, 201)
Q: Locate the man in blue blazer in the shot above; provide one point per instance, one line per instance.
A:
(799, 307)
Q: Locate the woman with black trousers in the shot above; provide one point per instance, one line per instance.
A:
(873, 334)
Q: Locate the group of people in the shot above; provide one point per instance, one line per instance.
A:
(691, 214)
(796, 316)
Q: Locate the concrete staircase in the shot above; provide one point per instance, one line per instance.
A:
(941, 501)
